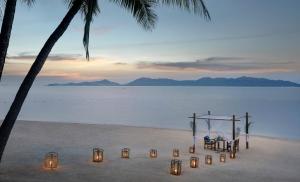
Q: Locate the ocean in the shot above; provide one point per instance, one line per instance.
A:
(274, 111)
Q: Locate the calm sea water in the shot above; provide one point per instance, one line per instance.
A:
(274, 111)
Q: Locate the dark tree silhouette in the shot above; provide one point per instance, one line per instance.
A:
(7, 23)
(142, 11)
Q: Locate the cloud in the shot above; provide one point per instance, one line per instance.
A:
(220, 64)
(51, 57)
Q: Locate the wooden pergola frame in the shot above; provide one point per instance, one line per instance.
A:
(210, 117)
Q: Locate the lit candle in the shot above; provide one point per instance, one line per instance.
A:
(222, 158)
(51, 160)
(232, 154)
(175, 168)
(194, 162)
(125, 153)
(153, 153)
(191, 150)
(175, 152)
(98, 155)
(208, 159)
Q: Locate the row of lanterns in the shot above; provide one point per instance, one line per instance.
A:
(175, 168)
(51, 159)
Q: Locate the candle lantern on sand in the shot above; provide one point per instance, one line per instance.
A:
(153, 153)
(175, 152)
(208, 159)
(51, 160)
(125, 153)
(175, 168)
(223, 157)
(194, 162)
(97, 155)
(192, 149)
(232, 154)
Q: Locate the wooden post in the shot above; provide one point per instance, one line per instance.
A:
(247, 130)
(208, 123)
(233, 133)
(233, 127)
(194, 130)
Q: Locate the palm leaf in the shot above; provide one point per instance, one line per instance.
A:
(142, 11)
(28, 2)
(89, 9)
(195, 6)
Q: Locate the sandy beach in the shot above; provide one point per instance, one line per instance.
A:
(268, 159)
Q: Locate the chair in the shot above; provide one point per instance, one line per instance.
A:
(228, 146)
(209, 143)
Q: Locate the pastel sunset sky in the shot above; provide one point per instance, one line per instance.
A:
(259, 38)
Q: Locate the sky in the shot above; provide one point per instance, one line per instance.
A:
(258, 38)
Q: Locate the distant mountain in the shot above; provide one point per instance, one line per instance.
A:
(92, 83)
(206, 81)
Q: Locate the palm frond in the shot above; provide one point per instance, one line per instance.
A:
(142, 11)
(195, 6)
(89, 9)
(28, 2)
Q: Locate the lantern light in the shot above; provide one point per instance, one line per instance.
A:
(223, 157)
(194, 162)
(175, 152)
(97, 155)
(153, 153)
(51, 160)
(192, 149)
(175, 168)
(232, 154)
(208, 159)
(125, 153)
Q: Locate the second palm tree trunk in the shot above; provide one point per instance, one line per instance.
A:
(6, 27)
(36, 67)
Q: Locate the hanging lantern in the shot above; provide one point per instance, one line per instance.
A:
(175, 168)
(232, 154)
(192, 150)
(51, 160)
(125, 153)
(97, 155)
(208, 159)
(153, 153)
(175, 152)
(194, 162)
(223, 157)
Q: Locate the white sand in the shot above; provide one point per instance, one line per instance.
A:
(266, 160)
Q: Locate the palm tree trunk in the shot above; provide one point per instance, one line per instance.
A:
(6, 27)
(16, 106)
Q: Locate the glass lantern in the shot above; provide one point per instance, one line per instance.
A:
(208, 159)
(97, 155)
(153, 153)
(175, 152)
(194, 162)
(223, 157)
(51, 160)
(125, 153)
(175, 168)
